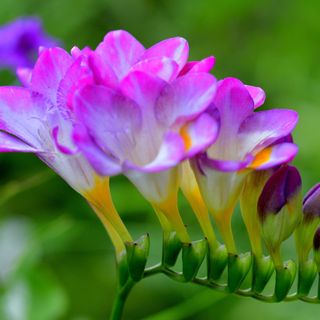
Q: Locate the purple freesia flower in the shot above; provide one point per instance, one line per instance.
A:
(20, 40)
(119, 108)
(144, 115)
(246, 141)
(39, 118)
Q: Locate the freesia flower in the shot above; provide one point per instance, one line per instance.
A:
(39, 118)
(246, 142)
(144, 115)
(20, 40)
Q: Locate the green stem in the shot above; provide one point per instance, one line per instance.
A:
(204, 282)
(120, 300)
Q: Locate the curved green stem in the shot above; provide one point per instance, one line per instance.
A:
(120, 300)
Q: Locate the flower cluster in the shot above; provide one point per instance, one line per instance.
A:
(167, 124)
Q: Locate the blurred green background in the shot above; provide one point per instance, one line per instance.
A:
(56, 262)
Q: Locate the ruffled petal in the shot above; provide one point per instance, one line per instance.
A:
(176, 49)
(225, 165)
(204, 65)
(265, 127)
(274, 156)
(50, 68)
(164, 68)
(102, 72)
(76, 77)
(234, 104)
(104, 164)
(121, 51)
(185, 98)
(112, 120)
(257, 94)
(199, 134)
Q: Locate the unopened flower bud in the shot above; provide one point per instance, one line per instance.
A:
(311, 203)
(309, 223)
(316, 248)
(279, 207)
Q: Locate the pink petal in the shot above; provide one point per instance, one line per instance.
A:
(274, 156)
(121, 51)
(50, 68)
(21, 114)
(61, 146)
(143, 88)
(176, 49)
(185, 98)
(199, 134)
(76, 77)
(257, 94)
(163, 68)
(265, 127)
(104, 164)
(112, 120)
(204, 65)
(102, 72)
(234, 104)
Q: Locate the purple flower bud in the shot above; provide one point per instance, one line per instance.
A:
(281, 187)
(311, 203)
(316, 240)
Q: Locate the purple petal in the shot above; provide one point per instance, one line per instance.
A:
(199, 134)
(170, 154)
(121, 51)
(274, 156)
(163, 68)
(50, 68)
(76, 77)
(21, 114)
(265, 127)
(234, 104)
(283, 185)
(176, 49)
(257, 94)
(311, 203)
(143, 88)
(204, 65)
(315, 189)
(9, 143)
(224, 165)
(185, 98)
(104, 164)
(112, 120)
(102, 72)
(64, 148)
